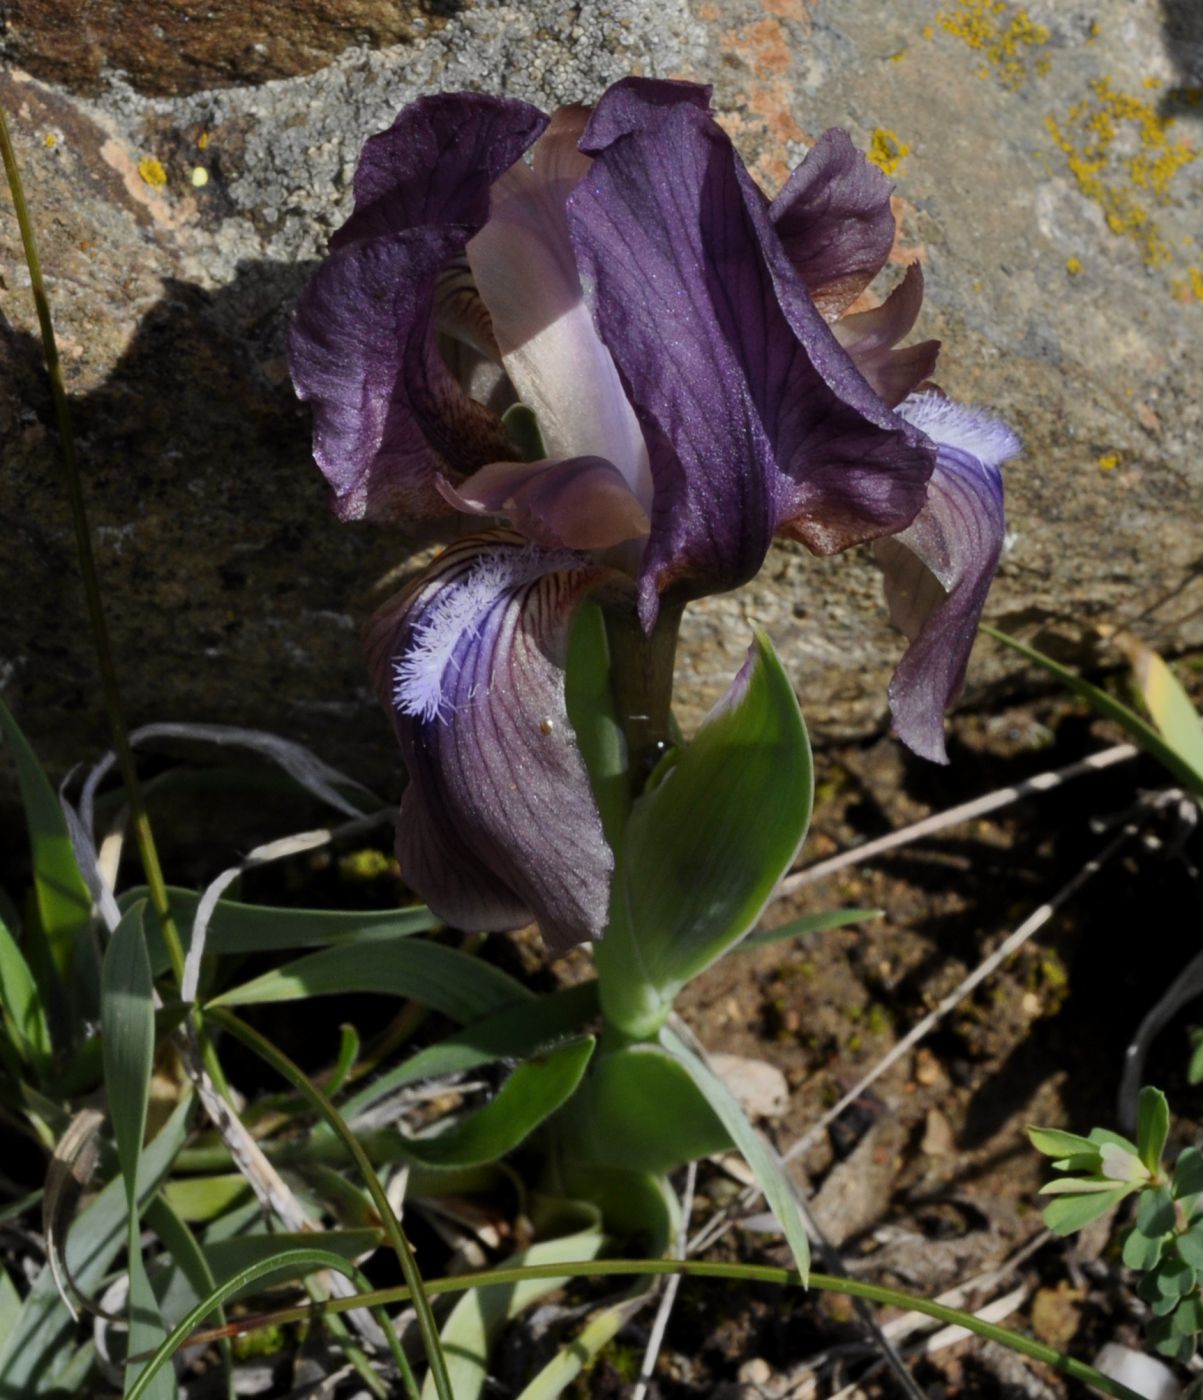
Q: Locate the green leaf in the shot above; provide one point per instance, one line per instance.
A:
(127, 1018)
(1167, 702)
(705, 848)
(463, 987)
(1102, 1136)
(10, 1305)
(1194, 1068)
(1188, 1316)
(63, 902)
(1190, 1246)
(1054, 1142)
(1139, 729)
(640, 1109)
(513, 1034)
(1166, 1340)
(811, 923)
(1077, 1186)
(1188, 1173)
(532, 1093)
(1069, 1213)
(522, 424)
(477, 1319)
(1155, 1213)
(237, 928)
(1153, 1128)
(637, 1207)
(1173, 1277)
(575, 1357)
(39, 1347)
(1142, 1251)
(767, 1167)
(22, 1003)
(200, 1199)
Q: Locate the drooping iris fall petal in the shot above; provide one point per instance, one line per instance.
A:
(939, 570)
(834, 221)
(754, 415)
(871, 338)
(389, 418)
(498, 824)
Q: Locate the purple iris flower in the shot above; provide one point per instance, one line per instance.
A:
(699, 388)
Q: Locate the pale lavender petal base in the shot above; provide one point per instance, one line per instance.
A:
(498, 825)
(938, 571)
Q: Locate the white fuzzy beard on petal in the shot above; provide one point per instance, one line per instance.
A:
(949, 424)
(461, 606)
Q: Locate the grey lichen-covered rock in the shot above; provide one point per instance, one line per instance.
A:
(1046, 176)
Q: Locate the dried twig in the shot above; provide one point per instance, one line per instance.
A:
(954, 816)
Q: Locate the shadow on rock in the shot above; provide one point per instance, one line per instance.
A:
(1182, 26)
(232, 593)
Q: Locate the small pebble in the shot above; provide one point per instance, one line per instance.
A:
(200, 176)
(755, 1372)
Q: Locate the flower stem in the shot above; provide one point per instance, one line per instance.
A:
(87, 565)
(641, 675)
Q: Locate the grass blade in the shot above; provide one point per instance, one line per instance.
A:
(63, 901)
(24, 1013)
(768, 1168)
(392, 1226)
(40, 1345)
(127, 1017)
(810, 923)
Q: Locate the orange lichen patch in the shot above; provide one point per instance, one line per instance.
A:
(786, 9)
(886, 151)
(1002, 34)
(1118, 149)
(764, 46)
(152, 172)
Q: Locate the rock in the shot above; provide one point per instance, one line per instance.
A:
(760, 1087)
(172, 49)
(1069, 300)
(1138, 1371)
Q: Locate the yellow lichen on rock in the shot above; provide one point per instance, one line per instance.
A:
(886, 151)
(152, 172)
(1118, 147)
(1004, 36)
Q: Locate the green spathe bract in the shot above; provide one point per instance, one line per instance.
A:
(705, 847)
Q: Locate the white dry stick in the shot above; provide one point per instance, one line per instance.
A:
(954, 816)
(668, 1298)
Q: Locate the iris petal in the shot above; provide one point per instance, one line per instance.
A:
(834, 220)
(389, 417)
(754, 415)
(870, 338)
(938, 571)
(498, 824)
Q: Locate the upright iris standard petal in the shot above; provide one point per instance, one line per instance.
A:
(834, 221)
(498, 824)
(938, 571)
(388, 415)
(754, 415)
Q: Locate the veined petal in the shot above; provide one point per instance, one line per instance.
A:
(581, 503)
(938, 571)
(754, 415)
(389, 417)
(870, 337)
(834, 220)
(498, 824)
(525, 269)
